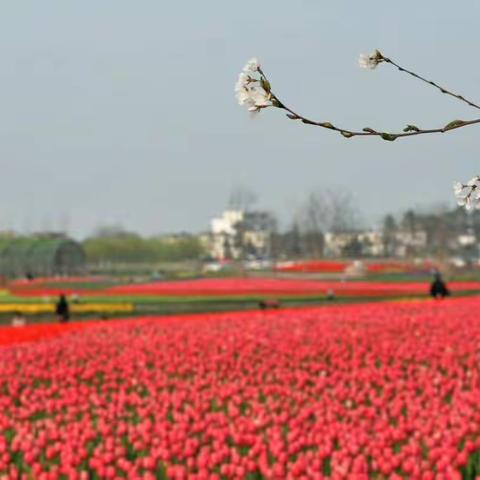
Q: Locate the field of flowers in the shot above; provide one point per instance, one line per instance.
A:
(43, 308)
(331, 266)
(41, 281)
(33, 333)
(279, 287)
(317, 266)
(367, 391)
(242, 287)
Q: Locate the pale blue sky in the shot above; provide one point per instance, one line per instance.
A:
(123, 111)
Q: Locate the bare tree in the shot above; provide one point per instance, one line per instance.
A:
(389, 228)
(312, 220)
(343, 216)
(242, 198)
(291, 242)
(322, 212)
(112, 231)
(330, 211)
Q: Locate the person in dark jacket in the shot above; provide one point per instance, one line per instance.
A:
(438, 288)
(269, 303)
(62, 309)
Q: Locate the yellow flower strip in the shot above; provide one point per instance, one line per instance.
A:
(102, 307)
(36, 308)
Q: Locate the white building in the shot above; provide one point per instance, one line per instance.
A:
(335, 243)
(238, 233)
(466, 240)
(370, 243)
(223, 233)
(408, 242)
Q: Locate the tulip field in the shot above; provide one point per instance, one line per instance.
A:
(274, 286)
(332, 266)
(380, 391)
(237, 287)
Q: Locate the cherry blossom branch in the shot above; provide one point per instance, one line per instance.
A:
(254, 90)
(409, 131)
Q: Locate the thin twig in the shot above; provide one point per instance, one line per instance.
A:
(409, 131)
(430, 82)
(372, 133)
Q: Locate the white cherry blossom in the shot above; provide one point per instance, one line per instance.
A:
(251, 66)
(468, 194)
(371, 60)
(252, 88)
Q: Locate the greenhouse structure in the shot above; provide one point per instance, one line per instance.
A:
(40, 256)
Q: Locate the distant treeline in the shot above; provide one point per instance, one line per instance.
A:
(125, 247)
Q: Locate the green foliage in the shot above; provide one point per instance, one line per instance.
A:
(215, 406)
(9, 435)
(161, 472)
(40, 415)
(327, 466)
(243, 450)
(254, 476)
(19, 461)
(131, 248)
(472, 470)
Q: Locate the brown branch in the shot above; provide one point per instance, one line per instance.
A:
(369, 132)
(430, 82)
(409, 131)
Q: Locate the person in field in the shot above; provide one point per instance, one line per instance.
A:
(268, 303)
(62, 309)
(330, 294)
(438, 288)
